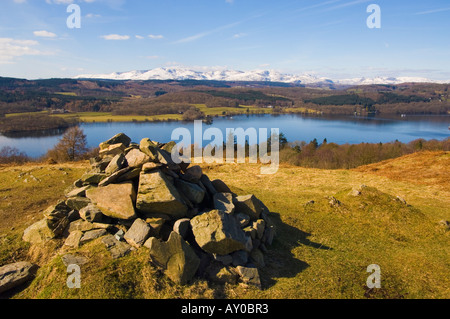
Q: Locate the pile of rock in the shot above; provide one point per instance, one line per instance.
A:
(136, 196)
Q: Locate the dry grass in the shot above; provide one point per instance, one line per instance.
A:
(320, 251)
(422, 168)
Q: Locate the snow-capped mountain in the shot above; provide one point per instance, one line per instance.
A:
(183, 73)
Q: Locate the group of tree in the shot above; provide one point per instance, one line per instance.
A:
(333, 156)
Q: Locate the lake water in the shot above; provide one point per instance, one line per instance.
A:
(340, 130)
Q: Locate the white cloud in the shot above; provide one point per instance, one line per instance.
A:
(115, 37)
(140, 37)
(156, 37)
(44, 34)
(92, 15)
(11, 48)
(239, 35)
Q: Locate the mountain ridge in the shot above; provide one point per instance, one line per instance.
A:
(226, 75)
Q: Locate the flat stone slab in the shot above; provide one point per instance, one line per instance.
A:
(114, 200)
(70, 259)
(118, 249)
(91, 235)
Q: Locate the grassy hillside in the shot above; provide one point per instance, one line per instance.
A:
(321, 251)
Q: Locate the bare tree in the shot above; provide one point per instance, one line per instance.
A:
(71, 147)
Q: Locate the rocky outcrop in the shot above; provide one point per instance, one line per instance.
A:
(136, 197)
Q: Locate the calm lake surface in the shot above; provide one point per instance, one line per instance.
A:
(340, 130)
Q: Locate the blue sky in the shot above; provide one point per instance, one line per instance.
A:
(323, 37)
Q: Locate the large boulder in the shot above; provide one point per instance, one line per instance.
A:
(176, 257)
(115, 200)
(156, 194)
(14, 275)
(217, 232)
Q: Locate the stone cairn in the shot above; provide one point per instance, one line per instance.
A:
(136, 197)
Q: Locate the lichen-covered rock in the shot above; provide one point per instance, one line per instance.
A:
(217, 232)
(176, 257)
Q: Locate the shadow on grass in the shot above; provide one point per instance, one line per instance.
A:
(280, 261)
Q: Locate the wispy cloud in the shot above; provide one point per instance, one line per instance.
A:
(433, 11)
(206, 33)
(322, 4)
(347, 4)
(115, 37)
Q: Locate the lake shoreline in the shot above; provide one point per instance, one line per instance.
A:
(296, 127)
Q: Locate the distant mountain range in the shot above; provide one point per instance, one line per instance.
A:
(182, 73)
